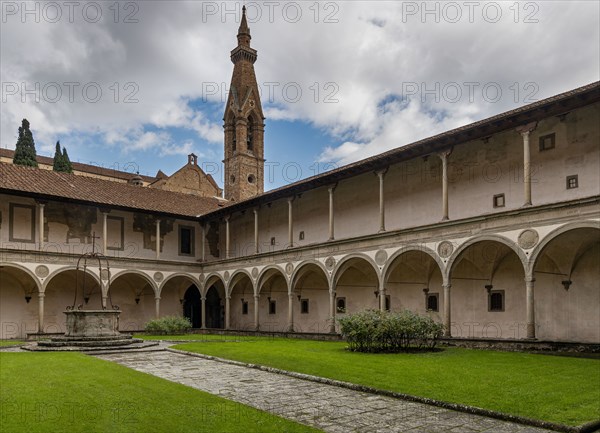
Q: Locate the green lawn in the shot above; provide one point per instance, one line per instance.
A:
(71, 392)
(201, 337)
(559, 389)
(4, 343)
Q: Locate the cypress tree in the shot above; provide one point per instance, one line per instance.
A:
(25, 149)
(67, 166)
(58, 159)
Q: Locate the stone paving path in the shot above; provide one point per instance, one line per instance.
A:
(329, 408)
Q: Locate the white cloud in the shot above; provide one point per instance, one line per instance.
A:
(366, 62)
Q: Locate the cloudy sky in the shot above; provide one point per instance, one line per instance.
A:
(138, 85)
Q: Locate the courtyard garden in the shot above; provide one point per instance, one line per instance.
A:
(559, 389)
(72, 392)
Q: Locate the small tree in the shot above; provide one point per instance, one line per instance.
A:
(25, 150)
(67, 161)
(58, 164)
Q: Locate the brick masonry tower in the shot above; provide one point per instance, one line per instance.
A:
(244, 124)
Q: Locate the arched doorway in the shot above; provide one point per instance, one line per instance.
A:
(567, 296)
(310, 300)
(242, 301)
(215, 310)
(133, 293)
(273, 301)
(192, 306)
(18, 303)
(488, 294)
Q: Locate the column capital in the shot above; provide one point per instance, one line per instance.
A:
(529, 279)
(381, 173)
(203, 298)
(41, 295)
(41, 203)
(331, 188)
(524, 130)
(157, 298)
(255, 210)
(228, 297)
(226, 218)
(256, 297)
(443, 155)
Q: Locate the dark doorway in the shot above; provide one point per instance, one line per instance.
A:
(192, 307)
(215, 313)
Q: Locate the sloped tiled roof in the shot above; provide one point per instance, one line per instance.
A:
(51, 185)
(86, 168)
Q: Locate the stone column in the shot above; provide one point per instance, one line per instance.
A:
(525, 131)
(331, 189)
(41, 312)
(41, 226)
(332, 312)
(444, 157)
(381, 176)
(290, 312)
(157, 307)
(530, 305)
(382, 298)
(256, 322)
(447, 306)
(157, 239)
(290, 222)
(104, 232)
(203, 312)
(227, 240)
(227, 312)
(256, 250)
(105, 301)
(203, 243)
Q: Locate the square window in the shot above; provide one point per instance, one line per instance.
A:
(304, 306)
(244, 307)
(340, 305)
(186, 241)
(115, 227)
(573, 182)
(21, 223)
(547, 142)
(499, 200)
(272, 241)
(433, 302)
(301, 236)
(496, 300)
(272, 307)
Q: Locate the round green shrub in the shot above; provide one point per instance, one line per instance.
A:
(169, 325)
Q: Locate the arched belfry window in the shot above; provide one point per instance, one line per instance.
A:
(250, 138)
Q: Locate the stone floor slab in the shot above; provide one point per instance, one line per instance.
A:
(327, 407)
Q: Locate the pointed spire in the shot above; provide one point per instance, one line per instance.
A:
(244, 31)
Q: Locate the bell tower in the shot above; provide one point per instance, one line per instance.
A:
(244, 124)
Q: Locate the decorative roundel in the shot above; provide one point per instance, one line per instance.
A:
(42, 271)
(330, 263)
(201, 278)
(289, 268)
(380, 257)
(226, 275)
(104, 274)
(254, 273)
(528, 239)
(445, 249)
(158, 277)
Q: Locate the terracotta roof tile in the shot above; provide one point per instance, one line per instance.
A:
(49, 184)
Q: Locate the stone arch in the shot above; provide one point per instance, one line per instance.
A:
(210, 280)
(387, 268)
(413, 278)
(241, 304)
(310, 292)
(268, 273)
(557, 232)
(488, 290)
(18, 304)
(492, 238)
(135, 293)
(566, 265)
(214, 293)
(184, 275)
(65, 269)
(272, 287)
(59, 292)
(345, 262)
(357, 281)
(143, 275)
